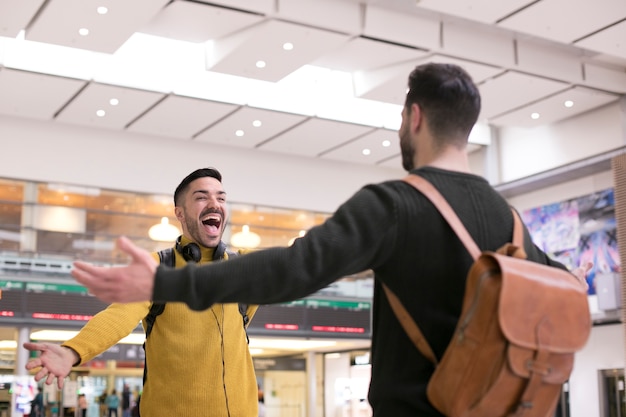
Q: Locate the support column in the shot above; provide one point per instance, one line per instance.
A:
(21, 376)
(311, 383)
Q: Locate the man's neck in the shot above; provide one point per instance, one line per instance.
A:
(451, 159)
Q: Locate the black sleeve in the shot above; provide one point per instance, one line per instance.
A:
(356, 237)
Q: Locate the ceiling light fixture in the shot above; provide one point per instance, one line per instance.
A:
(366, 152)
(164, 231)
(288, 46)
(102, 10)
(256, 123)
(568, 103)
(534, 116)
(8, 344)
(100, 113)
(245, 239)
(83, 31)
(239, 133)
(386, 143)
(114, 102)
(260, 64)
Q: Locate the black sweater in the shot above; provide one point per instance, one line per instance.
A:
(394, 230)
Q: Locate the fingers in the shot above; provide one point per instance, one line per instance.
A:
(33, 363)
(33, 346)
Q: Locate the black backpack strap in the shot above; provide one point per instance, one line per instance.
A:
(166, 257)
(243, 308)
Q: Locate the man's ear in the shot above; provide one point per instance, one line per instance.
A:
(416, 117)
(179, 213)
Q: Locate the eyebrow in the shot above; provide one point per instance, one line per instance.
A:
(222, 192)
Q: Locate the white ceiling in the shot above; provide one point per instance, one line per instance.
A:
(525, 55)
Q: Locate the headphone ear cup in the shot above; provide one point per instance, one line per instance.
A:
(192, 252)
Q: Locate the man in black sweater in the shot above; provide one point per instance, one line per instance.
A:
(389, 227)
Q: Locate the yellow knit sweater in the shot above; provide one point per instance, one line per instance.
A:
(198, 362)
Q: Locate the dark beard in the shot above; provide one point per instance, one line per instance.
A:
(407, 152)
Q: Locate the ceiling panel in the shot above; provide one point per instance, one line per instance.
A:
(340, 16)
(15, 15)
(257, 6)
(370, 148)
(546, 18)
(394, 162)
(60, 21)
(611, 41)
(254, 126)
(365, 54)
(107, 106)
(397, 27)
(33, 95)
(239, 54)
(513, 90)
(554, 109)
(485, 11)
(181, 117)
(195, 22)
(314, 137)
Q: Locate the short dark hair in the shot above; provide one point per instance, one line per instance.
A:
(198, 173)
(447, 97)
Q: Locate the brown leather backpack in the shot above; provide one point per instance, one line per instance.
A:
(514, 344)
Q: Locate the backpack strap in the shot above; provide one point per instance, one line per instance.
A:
(430, 192)
(168, 258)
(243, 308)
(440, 203)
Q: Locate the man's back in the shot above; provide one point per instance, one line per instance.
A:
(431, 285)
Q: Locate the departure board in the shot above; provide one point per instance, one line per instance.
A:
(38, 302)
(314, 317)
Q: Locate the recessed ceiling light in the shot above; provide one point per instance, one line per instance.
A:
(287, 46)
(260, 64)
(256, 123)
(83, 31)
(101, 113)
(102, 10)
(534, 116)
(239, 133)
(114, 102)
(386, 143)
(366, 151)
(568, 103)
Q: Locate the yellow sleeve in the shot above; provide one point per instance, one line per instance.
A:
(107, 328)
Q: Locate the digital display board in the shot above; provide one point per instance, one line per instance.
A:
(321, 315)
(314, 317)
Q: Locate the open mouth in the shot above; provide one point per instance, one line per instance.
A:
(213, 222)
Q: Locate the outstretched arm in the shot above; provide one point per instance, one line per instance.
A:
(133, 282)
(55, 361)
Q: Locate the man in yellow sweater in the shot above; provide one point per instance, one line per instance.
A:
(198, 363)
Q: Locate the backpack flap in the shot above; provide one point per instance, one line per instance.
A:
(542, 306)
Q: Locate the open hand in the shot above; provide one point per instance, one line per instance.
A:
(54, 360)
(121, 284)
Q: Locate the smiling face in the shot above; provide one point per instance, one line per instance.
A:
(202, 211)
